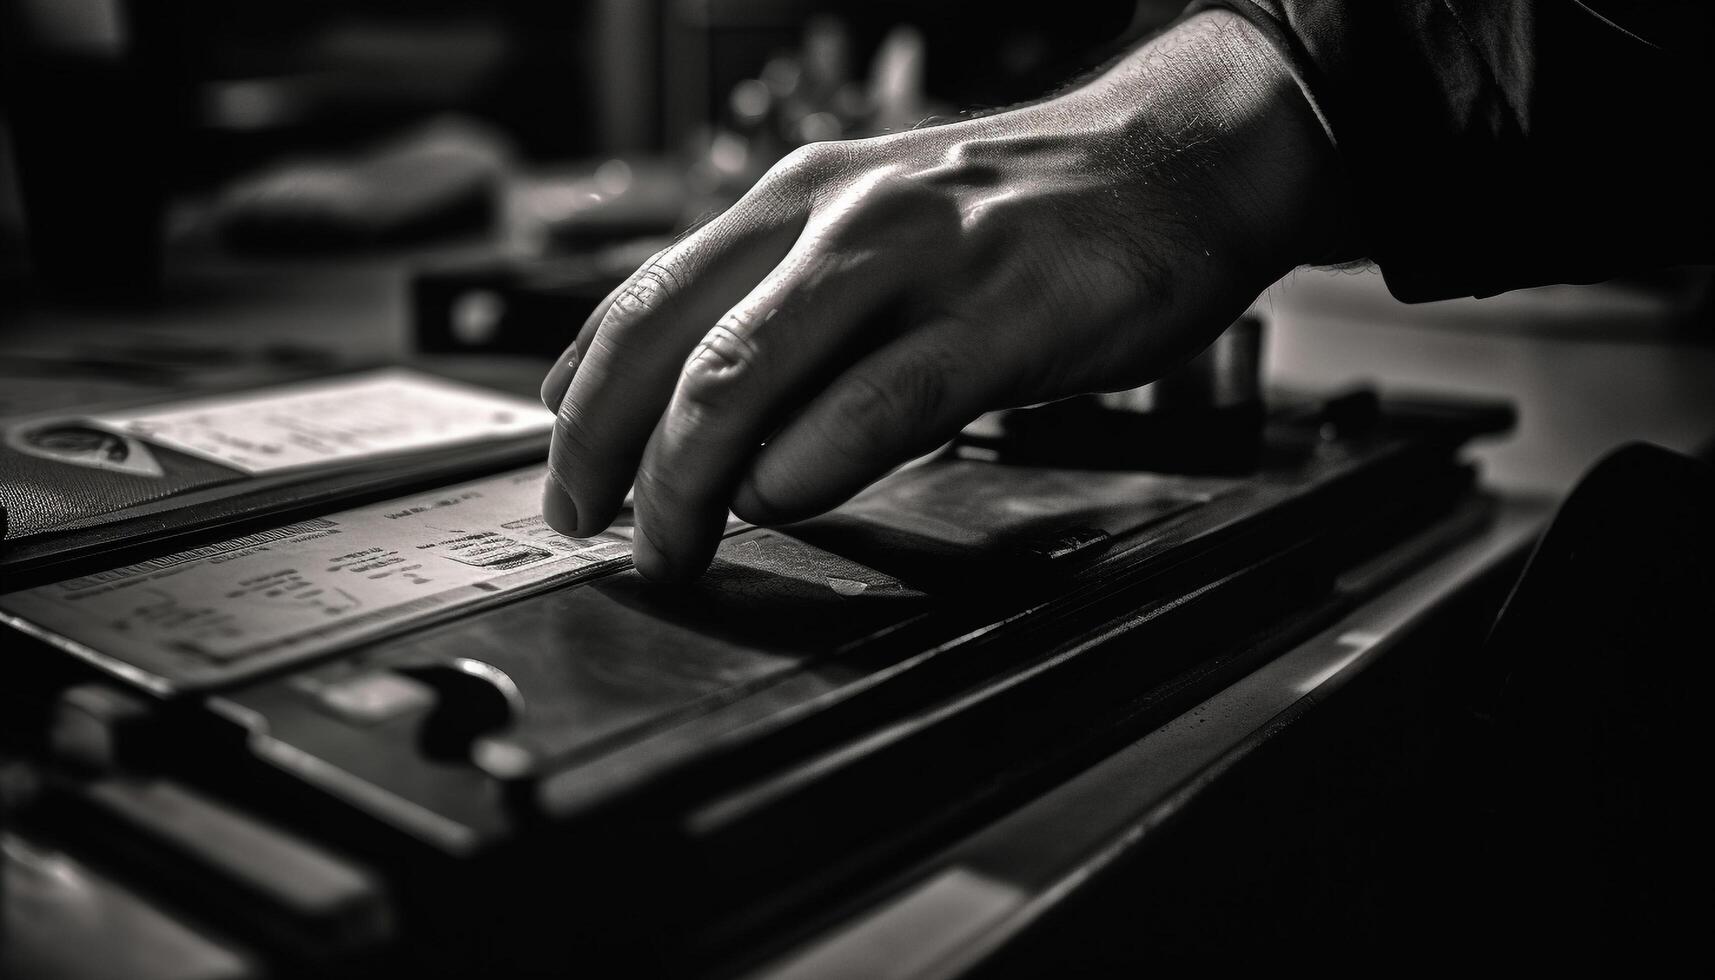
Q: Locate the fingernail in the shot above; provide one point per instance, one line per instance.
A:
(558, 509)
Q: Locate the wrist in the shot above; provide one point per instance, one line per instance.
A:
(1210, 109)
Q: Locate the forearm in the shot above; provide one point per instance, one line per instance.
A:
(1211, 107)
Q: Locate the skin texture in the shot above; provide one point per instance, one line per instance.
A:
(869, 298)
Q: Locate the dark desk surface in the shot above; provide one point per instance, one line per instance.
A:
(231, 321)
(1000, 899)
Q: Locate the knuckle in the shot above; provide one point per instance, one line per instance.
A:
(812, 162)
(651, 288)
(724, 357)
(730, 346)
(805, 176)
(957, 154)
(971, 162)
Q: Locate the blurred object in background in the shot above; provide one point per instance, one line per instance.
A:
(975, 55)
(55, 904)
(897, 98)
(803, 92)
(272, 78)
(262, 119)
(571, 208)
(443, 178)
(745, 81)
(757, 79)
(88, 96)
(1205, 416)
(807, 94)
(120, 111)
(1589, 366)
(517, 305)
(574, 233)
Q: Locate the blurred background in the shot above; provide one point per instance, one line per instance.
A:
(193, 193)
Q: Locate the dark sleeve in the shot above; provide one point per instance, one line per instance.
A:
(1512, 143)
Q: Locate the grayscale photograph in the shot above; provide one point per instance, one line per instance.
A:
(854, 489)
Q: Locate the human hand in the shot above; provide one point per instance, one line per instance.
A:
(869, 298)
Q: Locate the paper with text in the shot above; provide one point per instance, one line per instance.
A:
(340, 419)
(236, 607)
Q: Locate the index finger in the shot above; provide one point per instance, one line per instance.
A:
(559, 378)
(625, 376)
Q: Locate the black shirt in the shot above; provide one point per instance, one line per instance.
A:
(1513, 143)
